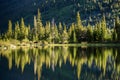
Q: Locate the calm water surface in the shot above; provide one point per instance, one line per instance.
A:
(60, 63)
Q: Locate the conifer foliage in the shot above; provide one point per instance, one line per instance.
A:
(61, 33)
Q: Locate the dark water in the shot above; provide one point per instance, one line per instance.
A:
(60, 63)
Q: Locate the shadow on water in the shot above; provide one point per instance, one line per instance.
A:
(61, 63)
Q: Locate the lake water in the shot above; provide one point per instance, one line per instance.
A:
(60, 63)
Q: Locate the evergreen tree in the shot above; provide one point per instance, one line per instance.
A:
(117, 28)
(95, 33)
(60, 30)
(29, 33)
(114, 36)
(17, 31)
(0, 36)
(72, 33)
(57, 38)
(99, 35)
(39, 22)
(103, 29)
(74, 36)
(40, 27)
(79, 27)
(34, 35)
(22, 29)
(35, 25)
(9, 32)
(42, 33)
(47, 30)
(26, 32)
(55, 34)
(52, 36)
(65, 27)
(89, 33)
(5, 38)
(78, 22)
(28, 29)
(65, 36)
(70, 30)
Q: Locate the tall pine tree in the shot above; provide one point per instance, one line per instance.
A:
(40, 27)
(117, 28)
(65, 36)
(17, 31)
(89, 33)
(78, 22)
(103, 28)
(9, 32)
(22, 29)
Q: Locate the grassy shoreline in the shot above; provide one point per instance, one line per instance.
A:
(15, 43)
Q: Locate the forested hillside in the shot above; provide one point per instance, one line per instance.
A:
(64, 11)
(50, 32)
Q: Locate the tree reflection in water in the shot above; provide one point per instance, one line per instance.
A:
(89, 62)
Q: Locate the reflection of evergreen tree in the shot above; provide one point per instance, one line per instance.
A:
(102, 59)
